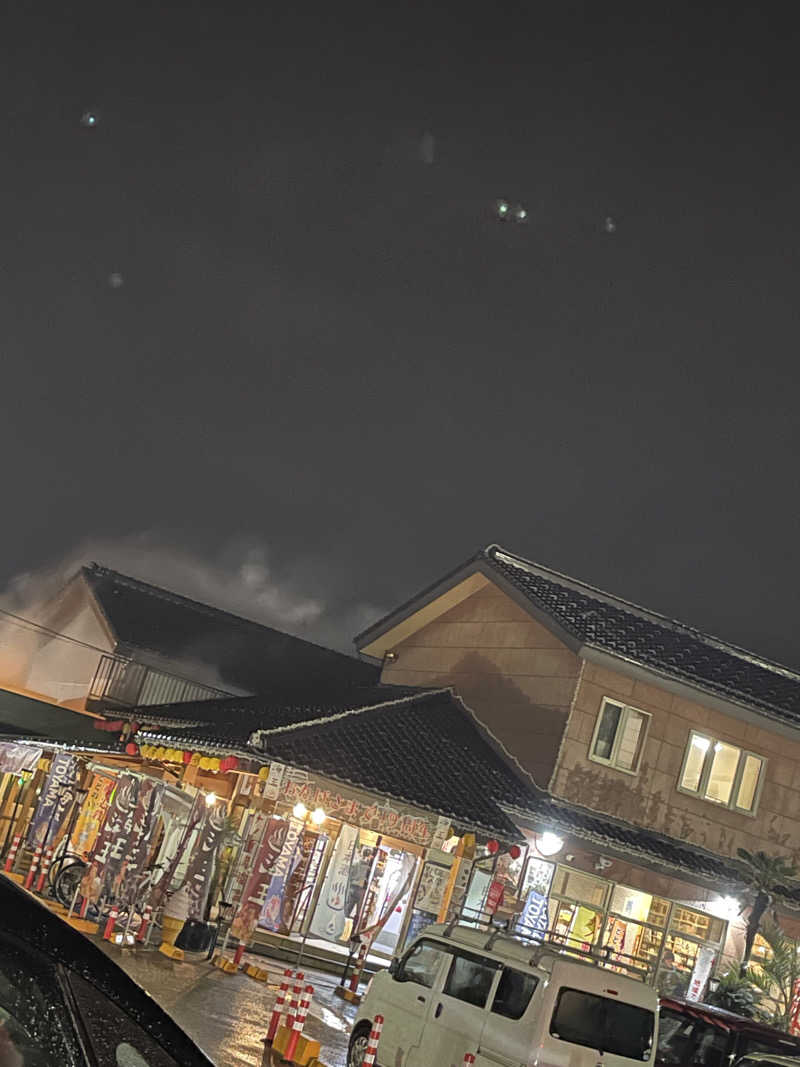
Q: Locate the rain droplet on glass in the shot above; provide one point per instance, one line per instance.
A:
(89, 118)
(503, 207)
(609, 225)
(115, 280)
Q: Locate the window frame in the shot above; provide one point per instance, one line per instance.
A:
(705, 774)
(423, 942)
(625, 711)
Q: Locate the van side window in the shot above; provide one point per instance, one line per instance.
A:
(514, 993)
(470, 979)
(421, 964)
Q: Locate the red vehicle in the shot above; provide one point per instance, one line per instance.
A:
(697, 1035)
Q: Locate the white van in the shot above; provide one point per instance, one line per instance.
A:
(458, 989)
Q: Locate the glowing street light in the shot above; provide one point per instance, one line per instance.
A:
(211, 799)
(549, 844)
(318, 816)
(299, 810)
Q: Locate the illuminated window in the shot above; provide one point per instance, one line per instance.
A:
(619, 736)
(722, 773)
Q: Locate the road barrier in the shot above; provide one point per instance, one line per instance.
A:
(277, 1011)
(299, 1023)
(469, 1059)
(359, 967)
(147, 915)
(374, 1038)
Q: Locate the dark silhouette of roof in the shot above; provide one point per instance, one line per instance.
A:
(244, 654)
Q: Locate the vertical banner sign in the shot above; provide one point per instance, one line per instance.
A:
(272, 786)
(204, 858)
(162, 887)
(329, 918)
(92, 816)
(297, 879)
(272, 912)
(494, 898)
(701, 973)
(307, 889)
(251, 838)
(112, 841)
(247, 915)
(55, 800)
(145, 820)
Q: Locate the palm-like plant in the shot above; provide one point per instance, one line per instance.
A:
(736, 994)
(776, 976)
(764, 876)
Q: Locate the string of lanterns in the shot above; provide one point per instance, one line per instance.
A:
(177, 755)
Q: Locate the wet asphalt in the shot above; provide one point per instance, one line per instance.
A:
(227, 1014)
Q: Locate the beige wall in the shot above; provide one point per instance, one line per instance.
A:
(62, 670)
(651, 798)
(516, 676)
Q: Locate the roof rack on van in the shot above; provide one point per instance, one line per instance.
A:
(549, 943)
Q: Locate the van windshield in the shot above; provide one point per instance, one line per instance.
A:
(607, 1025)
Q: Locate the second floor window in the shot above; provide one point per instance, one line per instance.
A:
(722, 773)
(619, 736)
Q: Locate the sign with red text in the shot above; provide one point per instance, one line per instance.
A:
(378, 817)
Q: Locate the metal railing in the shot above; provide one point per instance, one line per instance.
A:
(121, 682)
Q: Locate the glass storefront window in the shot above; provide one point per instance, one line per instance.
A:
(697, 924)
(633, 904)
(576, 925)
(581, 887)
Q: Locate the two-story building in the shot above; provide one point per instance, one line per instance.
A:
(653, 751)
(109, 641)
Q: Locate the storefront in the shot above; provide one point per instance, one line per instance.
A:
(666, 939)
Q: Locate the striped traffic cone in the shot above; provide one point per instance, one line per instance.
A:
(147, 913)
(359, 967)
(299, 978)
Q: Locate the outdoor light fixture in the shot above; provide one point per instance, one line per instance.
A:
(299, 810)
(725, 907)
(211, 799)
(549, 844)
(318, 816)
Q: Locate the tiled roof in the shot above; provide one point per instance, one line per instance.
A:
(235, 718)
(652, 640)
(423, 748)
(244, 654)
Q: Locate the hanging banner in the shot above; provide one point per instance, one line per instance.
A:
(112, 841)
(56, 799)
(432, 884)
(534, 918)
(702, 972)
(143, 829)
(193, 821)
(272, 912)
(329, 915)
(92, 816)
(297, 879)
(272, 786)
(14, 759)
(394, 896)
(246, 918)
(203, 859)
(307, 890)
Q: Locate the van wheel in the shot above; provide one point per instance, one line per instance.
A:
(359, 1039)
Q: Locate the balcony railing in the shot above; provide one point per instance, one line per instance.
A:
(124, 683)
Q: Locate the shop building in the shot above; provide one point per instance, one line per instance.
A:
(652, 752)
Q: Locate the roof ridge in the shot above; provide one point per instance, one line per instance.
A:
(160, 593)
(347, 713)
(655, 616)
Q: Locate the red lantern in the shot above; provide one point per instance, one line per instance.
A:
(492, 846)
(134, 727)
(515, 852)
(132, 749)
(233, 763)
(224, 764)
(187, 757)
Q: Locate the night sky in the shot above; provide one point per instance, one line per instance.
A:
(256, 324)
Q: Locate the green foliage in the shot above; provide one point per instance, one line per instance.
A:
(737, 994)
(763, 876)
(776, 976)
